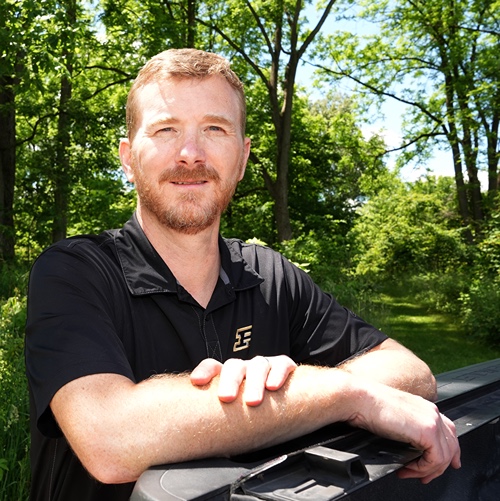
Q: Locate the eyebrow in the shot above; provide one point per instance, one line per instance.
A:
(166, 119)
(209, 117)
(220, 119)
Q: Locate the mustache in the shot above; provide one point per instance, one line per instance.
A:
(202, 172)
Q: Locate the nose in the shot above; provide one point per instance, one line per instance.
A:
(190, 150)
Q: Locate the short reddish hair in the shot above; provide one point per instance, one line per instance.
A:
(182, 64)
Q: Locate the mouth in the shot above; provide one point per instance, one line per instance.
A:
(188, 182)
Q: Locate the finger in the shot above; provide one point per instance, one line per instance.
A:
(444, 451)
(450, 450)
(205, 371)
(232, 374)
(456, 461)
(281, 368)
(256, 375)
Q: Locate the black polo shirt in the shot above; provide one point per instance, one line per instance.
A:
(108, 304)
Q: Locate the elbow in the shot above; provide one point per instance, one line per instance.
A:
(111, 471)
(424, 385)
(108, 462)
(113, 477)
(428, 384)
(432, 393)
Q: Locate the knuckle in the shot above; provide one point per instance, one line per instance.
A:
(287, 361)
(260, 361)
(233, 365)
(432, 427)
(233, 361)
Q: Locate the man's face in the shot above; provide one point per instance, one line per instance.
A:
(188, 154)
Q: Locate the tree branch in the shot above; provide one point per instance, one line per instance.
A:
(316, 29)
(381, 92)
(415, 140)
(33, 134)
(106, 68)
(111, 84)
(237, 48)
(261, 28)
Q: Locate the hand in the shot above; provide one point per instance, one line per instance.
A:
(440, 449)
(259, 374)
(408, 418)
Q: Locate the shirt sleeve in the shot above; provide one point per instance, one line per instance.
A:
(70, 331)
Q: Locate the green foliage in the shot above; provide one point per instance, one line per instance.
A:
(14, 411)
(332, 169)
(480, 309)
(470, 292)
(479, 300)
(326, 257)
(409, 229)
(442, 290)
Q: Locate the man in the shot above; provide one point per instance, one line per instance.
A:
(162, 342)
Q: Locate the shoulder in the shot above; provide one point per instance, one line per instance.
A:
(275, 269)
(253, 252)
(80, 245)
(80, 255)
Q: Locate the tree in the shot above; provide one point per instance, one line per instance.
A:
(82, 62)
(66, 144)
(17, 23)
(332, 169)
(245, 27)
(438, 58)
(61, 168)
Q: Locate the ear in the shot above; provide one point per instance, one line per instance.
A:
(246, 146)
(125, 151)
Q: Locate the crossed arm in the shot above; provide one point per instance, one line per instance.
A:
(118, 429)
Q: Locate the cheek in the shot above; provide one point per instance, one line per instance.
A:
(147, 163)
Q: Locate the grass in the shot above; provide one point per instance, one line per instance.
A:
(435, 337)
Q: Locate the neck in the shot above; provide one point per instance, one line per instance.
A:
(193, 259)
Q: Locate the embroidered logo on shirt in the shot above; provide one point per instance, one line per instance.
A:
(243, 338)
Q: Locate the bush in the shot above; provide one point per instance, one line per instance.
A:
(441, 290)
(480, 309)
(327, 260)
(324, 257)
(409, 229)
(470, 294)
(14, 411)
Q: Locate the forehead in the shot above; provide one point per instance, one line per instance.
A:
(188, 98)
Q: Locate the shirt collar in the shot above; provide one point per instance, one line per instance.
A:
(146, 273)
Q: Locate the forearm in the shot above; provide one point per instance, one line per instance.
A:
(394, 365)
(119, 429)
(166, 419)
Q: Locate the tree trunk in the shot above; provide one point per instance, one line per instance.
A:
(62, 165)
(492, 153)
(191, 23)
(452, 136)
(7, 168)
(62, 176)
